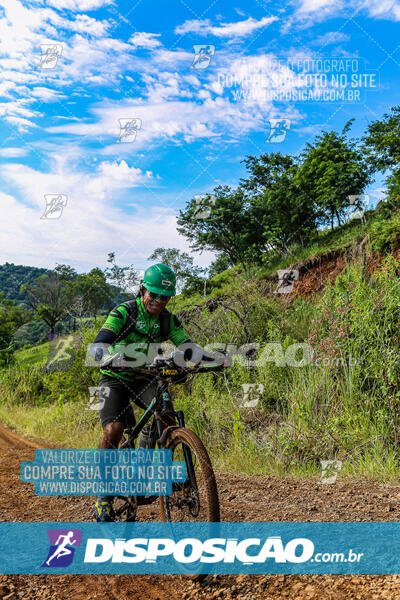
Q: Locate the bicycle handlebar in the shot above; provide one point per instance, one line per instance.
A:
(161, 368)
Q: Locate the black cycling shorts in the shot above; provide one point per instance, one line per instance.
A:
(114, 396)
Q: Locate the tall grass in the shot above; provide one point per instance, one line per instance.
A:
(343, 405)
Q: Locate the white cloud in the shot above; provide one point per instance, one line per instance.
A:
(79, 5)
(46, 94)
(22, 125)
(121, 175)
(331, 37)
(385, 9)
(6, 87)
(145, 40)
(87, 25)
(238, 29)
(12, 152)
(165, 119)
(86, 60)
(91, 224)
(17, 28)
(17, 108)
(24, 28)
(101, 183)
(309, 6)
(313, 11)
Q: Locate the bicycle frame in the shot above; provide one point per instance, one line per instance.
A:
(149, 411)
(166, 418)
(162, 400)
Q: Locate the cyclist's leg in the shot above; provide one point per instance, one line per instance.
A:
(115, 413)
(146, 390)
(115, 409)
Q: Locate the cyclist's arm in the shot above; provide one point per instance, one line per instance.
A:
(108, 333)
(103, 340)
(192, 351)
(180, 338)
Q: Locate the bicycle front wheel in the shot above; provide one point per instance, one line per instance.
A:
(196, 499)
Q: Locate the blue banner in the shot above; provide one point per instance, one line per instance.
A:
(129, 472)
(189, 548)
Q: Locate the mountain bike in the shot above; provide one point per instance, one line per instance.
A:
(196, 498)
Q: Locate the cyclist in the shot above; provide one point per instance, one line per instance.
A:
(139, 322)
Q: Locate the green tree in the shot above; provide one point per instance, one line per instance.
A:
(12, 317)
(49, 298)
(332, 169)
(280, 210)
(65, 272)
(13, 276)
(228, 228)
(124, 278)
(88, 292)
(187, 274)
(382, 146)
(220, 264)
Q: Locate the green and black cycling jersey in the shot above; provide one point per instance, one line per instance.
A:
(147, 329)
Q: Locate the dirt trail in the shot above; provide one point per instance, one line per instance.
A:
(242, 498)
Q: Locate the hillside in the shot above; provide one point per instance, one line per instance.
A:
(324, 378)
(13, 276)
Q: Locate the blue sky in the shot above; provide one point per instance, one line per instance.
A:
(72, 69)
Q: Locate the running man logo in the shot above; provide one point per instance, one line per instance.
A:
(278, 129)
(61, 351)
(50, 55)
(55, 203)
(204, 205)
(286, 278)
(128, 129)
(202, 56)
(251, 394)
(330, 470)
(63, 543)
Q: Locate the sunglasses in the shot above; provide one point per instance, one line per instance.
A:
(158, 296)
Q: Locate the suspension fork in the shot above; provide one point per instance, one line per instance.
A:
(167, 405)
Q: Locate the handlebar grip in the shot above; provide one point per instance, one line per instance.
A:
(208, 369)
(112, 361)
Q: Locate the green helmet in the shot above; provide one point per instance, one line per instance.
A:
(160, 279)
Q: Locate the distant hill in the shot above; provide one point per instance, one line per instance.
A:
(13, 276)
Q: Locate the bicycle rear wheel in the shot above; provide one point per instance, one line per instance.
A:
(196, 499)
